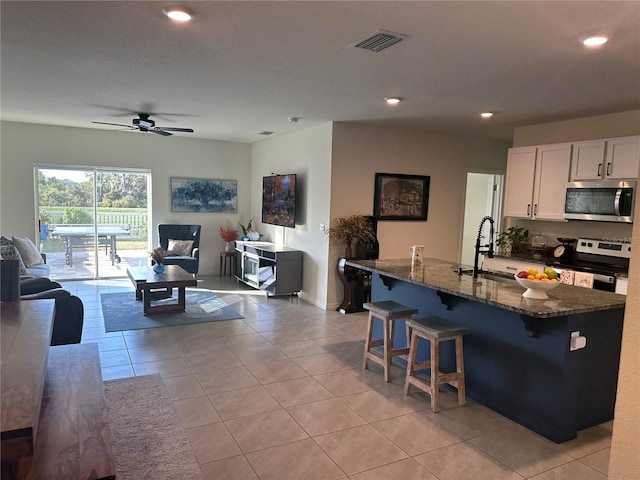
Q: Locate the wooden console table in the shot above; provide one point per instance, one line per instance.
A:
(263, 265)
(54, 417)
(26, 334)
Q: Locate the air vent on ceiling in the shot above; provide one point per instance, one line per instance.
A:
(378, 41)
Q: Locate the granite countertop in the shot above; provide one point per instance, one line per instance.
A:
(442, 276)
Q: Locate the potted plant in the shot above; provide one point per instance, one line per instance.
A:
(248, 232)
(350, 230)
(511, 239)
(44, 221)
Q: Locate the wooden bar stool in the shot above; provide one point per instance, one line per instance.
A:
(387, 311)
(435, 330)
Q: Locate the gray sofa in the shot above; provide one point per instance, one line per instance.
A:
(41, 270)
(32, 263)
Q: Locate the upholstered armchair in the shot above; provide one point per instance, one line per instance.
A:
(69, 312)
(182, 243)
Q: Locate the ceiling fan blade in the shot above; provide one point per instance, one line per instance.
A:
(161, 132)
(115, 124)
(176, 129)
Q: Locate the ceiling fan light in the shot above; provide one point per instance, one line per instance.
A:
(178, 14)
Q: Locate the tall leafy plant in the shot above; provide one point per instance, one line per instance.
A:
(347, 231)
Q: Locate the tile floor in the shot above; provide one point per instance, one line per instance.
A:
(281, 395)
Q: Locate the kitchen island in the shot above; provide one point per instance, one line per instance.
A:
(518, 358)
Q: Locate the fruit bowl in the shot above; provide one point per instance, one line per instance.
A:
(537, 289)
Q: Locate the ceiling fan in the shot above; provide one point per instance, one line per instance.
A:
(145, 124)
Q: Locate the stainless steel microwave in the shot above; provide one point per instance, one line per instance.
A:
(606, 201)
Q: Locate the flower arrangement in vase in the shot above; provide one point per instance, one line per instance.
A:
(229, 235)
(158, 255)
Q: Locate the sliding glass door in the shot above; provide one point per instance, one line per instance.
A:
(93, 221)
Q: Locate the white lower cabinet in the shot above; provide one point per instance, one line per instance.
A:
(621, 285)
(507, 265)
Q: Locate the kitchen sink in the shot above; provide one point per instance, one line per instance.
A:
(495, 276)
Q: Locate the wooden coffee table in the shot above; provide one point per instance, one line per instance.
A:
(154, 286)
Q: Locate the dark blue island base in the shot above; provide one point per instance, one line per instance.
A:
(521, 365)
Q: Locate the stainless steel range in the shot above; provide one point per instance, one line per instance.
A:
(605, 260)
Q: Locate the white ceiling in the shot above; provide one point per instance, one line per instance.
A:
(241, 67)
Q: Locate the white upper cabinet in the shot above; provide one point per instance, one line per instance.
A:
(587, 160)
(536, 180)
(622, 158)
(518, 193)
(552, 174)
(610, 159)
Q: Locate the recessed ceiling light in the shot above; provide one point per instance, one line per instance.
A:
(595, 41)
(178, 14)
(486, 114)
(393, 100)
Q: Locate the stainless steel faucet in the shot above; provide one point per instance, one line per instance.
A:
(489, 250)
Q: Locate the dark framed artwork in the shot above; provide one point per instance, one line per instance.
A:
(401, 197)
(204, 195)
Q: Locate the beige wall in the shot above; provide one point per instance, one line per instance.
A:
(624, 462)
(588, 128)
(359, 151)
(307, 153)
(24, 145)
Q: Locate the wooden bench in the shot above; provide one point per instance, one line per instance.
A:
(74, 440)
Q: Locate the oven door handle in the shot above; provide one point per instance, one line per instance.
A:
(616, 201)
(603, 278)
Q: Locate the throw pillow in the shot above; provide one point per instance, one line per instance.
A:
(8, 251)
(180, 247)
(28, 251)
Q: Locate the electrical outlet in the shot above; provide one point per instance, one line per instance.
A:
(577, 341)
(322, 228)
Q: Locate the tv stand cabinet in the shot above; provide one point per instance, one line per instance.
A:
(277, 270)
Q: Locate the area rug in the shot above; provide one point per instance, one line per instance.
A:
(148, 439)
(122, 311)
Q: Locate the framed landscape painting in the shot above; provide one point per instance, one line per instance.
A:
(204, 195)
(401, 197)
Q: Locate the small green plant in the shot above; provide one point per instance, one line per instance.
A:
(512, 238)
(44, 217)
(246, 229)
